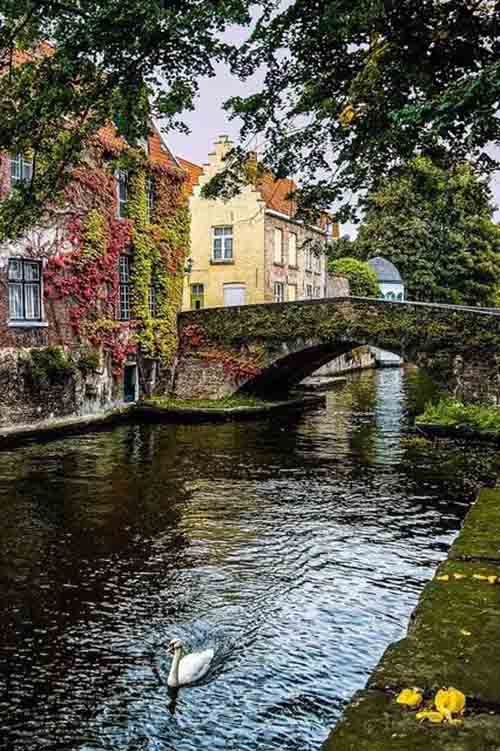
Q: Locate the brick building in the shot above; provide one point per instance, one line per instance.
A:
(89, 297)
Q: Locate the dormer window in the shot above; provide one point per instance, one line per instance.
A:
(121, 193)
(21, 170)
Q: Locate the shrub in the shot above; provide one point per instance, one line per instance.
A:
(481, 418)
(49, 366)
(362, 278)
(89, 360)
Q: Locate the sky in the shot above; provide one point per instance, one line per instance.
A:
(209, 121)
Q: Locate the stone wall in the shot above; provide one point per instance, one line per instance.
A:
(27, 399)
(357, 359)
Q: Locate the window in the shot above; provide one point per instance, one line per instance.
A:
(150, 196)
(309, 291)
(124, 289)
(279, 292)
(292, 250)
(222, 244)
(292, 292)
(317, 263)
(278, 245)
(308, 259)
(152, 301)
(317, 292)
(21, 170)
(25, 290)
(121, 194)
(197, 295)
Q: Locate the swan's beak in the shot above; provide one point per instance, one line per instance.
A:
(170, 649)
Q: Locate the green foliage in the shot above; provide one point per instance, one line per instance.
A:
(436, 226)
(160, 250)
(128, 61)
(352, 88)
(363, 280)
(49, 366)
(479, 418)
(89, 360)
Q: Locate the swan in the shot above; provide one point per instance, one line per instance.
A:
(188, 669)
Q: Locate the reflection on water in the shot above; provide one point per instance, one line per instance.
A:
(297, 547)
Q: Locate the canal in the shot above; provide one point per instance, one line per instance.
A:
(296, 547)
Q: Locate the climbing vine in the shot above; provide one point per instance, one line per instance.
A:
(84, 273)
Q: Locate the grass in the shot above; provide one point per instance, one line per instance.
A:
(480, 418)
(227, 402)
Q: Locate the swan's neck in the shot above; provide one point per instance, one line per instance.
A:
(173, 676)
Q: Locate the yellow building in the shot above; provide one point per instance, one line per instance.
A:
(250, 249)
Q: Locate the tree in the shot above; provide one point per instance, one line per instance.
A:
(70, 66)
(436, 226)
(363, 280)
(355, 87)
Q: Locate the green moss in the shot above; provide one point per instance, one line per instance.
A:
(374, 722)
(227, 402)
(480, 418)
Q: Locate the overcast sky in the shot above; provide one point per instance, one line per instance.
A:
(209, 121)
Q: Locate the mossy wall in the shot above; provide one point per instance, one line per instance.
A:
(276, 345)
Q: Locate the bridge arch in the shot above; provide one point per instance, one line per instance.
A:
(300, 360)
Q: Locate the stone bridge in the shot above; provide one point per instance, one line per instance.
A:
(267, 349)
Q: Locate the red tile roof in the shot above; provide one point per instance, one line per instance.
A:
(158, 152)
(194, 171)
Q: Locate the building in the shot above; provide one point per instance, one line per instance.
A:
(250, 248)
(390, 282)
(89, 297)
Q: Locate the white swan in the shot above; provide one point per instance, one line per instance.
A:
(188, 669)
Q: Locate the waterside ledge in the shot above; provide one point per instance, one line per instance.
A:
(142, 412)
(433, 430)
(452, 640)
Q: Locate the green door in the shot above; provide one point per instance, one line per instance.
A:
(129, 383)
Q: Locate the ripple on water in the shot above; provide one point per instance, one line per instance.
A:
(295, 547)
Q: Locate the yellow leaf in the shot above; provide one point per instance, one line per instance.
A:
(347, 116)
(410, 697)
(449, 702)
(460, 576)
(465, 632)
(429, 714)
(443, 578)
(492, 579)
(481, 577)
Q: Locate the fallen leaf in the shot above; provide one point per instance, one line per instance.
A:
(431, 715)
(410, 697)
(460, 576)
(492, 579)
(443, 578)
(465, 632)
(449, 701)
(481, 577)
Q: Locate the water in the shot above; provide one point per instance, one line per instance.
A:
(297, 547)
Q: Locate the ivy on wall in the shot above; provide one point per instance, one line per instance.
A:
(84, 272)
